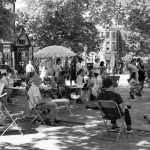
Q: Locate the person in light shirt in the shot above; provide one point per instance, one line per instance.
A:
(96, 67)
(132, 68)
(58, 68)
(29, 68)
(36, 99)
(79, 80)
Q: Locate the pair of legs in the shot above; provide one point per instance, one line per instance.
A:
(10, 96)
(127, 119)
(51, 115)
(135, 91)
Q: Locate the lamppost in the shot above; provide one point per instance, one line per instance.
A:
(33, 44)
(85, 51)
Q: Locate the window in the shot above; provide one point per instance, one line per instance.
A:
(114, 46)
(107, 34)
(101, 34)
(107, 46)
(113, 35)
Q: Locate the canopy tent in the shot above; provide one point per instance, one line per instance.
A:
(54, 51)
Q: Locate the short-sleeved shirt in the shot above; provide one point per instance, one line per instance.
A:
(29, 68)
(32, 93)
(96, 68)
(78, 66)
(110, 95)
(79, 79)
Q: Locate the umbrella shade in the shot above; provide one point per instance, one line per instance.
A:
(54, 51)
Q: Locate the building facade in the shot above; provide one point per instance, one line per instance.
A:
(15, 52)
(111, 49)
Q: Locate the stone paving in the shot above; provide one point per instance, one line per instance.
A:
(80, 131)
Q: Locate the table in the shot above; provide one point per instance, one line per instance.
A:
(46, 88)
(21, 89)
(17, 79)
(77, 87)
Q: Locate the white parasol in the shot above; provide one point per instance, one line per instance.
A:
(54, 51)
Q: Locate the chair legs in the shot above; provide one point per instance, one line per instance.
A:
(38, 115)
(13, 122)
(120, 129)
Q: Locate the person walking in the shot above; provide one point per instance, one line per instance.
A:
(30, 67)
(141, 72)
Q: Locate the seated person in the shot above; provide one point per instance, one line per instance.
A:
(8, 81)
(61, 78)
(90, 81)
(80, 79)
(90, 84)
(61, 83)
(109, 94)
(36, 99)
(134, 86)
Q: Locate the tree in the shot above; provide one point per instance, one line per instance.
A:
(60, 23)
(132, 16)
(7, 19)
(138, 23)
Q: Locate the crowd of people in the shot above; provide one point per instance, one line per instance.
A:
(97, 82)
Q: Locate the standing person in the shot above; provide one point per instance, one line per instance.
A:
(141, 72)
(73, 72)
(102, 67)
(58, 68)
(96, 67)
(30, 67)
(78, 65)
(132, 68)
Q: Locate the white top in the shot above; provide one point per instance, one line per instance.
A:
(29, 68)
(97, 85)
(96, 68)
(78, 66)
(34, 95)
(43, 72)
(79, 80)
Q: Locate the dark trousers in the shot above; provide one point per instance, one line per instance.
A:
(126, 117)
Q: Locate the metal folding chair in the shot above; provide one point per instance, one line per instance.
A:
(110, 111)
(5, 112)
(38, 111)
(64, 99)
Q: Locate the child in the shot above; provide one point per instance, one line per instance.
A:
(134, 86)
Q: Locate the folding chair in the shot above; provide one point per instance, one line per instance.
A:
(86, 92)
(4, 111)
(38, 111)
(64, 99)
(110, 111)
